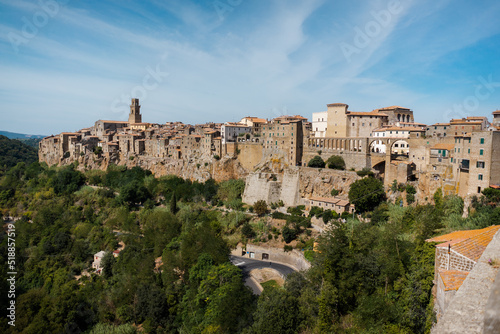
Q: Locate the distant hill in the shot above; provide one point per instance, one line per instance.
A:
(13, 135)
(13, 151)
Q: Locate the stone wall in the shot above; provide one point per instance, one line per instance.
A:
(250, 155)
(466, 311)
(293, 258)
(297, 183)
(452, 261)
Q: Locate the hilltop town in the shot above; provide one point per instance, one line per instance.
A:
(459, 157)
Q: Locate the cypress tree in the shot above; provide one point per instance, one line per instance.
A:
(173, 204)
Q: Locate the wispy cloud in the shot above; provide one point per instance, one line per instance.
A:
(260, 57)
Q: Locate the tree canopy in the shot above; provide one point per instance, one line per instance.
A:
(366, 194)
(316, 162)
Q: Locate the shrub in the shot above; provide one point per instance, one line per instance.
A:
(410, 194)
(260, 207)
(216, 157)
(287, 248)
(315, 211)
(335, 162)
(247, 230)
(97, 150)
(365, 171)
(288, 233)
(334, 192)
(316, 162)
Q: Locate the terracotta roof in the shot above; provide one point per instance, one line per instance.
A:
(396, 128)
(496, 112)
(255, 119)
(470, 244)
(393, 107)
(440, 124)
(452, 279)
(441, 146)
(366, 113)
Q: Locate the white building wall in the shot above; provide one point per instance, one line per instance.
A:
(319, 123)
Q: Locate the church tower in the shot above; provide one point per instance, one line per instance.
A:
(135, 112)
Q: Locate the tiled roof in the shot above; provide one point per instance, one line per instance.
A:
(452, 279)
(393, 107)
(441, 146)
(374, 113)
(440, 124)
(470, 244)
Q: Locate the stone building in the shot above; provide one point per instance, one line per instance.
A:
(476, 161)
(335, 204)
(438, 130)
(231, 131)
(135, 112)
(457, 254)
(283, 137)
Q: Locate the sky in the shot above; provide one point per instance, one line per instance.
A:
(65, 64)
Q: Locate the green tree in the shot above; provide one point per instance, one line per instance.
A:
(410, 194)
(335, 162)
(108, 261)
(316, 162)
(277, 312)
(366, 194)
(260, 207)
(247, 230)
(173, 204)
(289, 234)
(438, 199)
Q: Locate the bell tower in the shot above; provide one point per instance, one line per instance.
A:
(135, 112)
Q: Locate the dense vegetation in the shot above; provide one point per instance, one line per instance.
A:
(13, 151)
(366, 277)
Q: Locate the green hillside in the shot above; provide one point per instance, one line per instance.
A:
(14, 135)
(13, 151)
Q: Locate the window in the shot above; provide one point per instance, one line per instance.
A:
(482, 141)
(362, 124)
(480, 177)
(468, 151)
(478, 190)
(451, 160)
(480, 164)
(481, 152)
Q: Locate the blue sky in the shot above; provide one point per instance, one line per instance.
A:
(67, 63)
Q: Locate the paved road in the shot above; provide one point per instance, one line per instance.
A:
(247, 265)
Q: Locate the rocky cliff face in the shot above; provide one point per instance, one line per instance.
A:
(192, 168)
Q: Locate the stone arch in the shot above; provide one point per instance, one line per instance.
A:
(377, 146)
(400, 147)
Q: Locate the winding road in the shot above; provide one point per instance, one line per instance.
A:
(246, 264)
